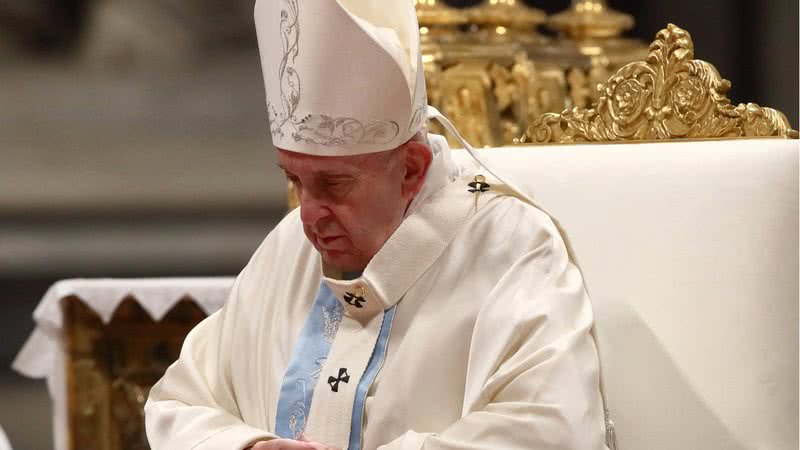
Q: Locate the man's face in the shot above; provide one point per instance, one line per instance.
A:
(350, 205)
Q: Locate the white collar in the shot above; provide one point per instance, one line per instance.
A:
(410, 251)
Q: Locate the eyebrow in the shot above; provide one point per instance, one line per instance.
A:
(322, 173)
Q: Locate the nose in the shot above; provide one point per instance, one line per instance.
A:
(312, 210)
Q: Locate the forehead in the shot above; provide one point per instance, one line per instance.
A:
(295, 161)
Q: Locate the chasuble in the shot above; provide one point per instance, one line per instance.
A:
(470, 329)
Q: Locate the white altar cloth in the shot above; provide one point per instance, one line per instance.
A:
(42, 356)
(4, 444)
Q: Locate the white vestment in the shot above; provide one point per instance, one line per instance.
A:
(490, 345)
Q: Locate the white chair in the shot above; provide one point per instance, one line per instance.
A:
(689, 249)
(690, 252)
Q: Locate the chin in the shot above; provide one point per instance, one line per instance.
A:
(342, 260)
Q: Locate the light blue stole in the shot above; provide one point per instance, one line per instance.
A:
(307, 360)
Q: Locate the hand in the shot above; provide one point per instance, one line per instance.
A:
(304, 443)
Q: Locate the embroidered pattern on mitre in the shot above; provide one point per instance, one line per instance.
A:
(289, 123)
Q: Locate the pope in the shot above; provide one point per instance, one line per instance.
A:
(408, 303)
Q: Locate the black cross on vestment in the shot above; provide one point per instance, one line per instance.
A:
(343, 377)
(355, 300)
(478, 186)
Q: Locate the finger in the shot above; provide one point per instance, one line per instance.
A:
(312, 445)
(284, 444)
(315, 444)
(309, 440)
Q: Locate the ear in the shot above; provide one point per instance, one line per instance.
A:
(418, 160)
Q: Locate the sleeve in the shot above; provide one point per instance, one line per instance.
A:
(193, 406)
(533, 370)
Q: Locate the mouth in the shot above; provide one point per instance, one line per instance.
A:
(327, 241)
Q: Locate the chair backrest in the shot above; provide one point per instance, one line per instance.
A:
(690, 252)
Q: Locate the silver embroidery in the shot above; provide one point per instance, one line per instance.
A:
(297, 420)
(318, 371)
(331, 318)
(326, 130)
(318, 129)
(289, 79)
(416, 118)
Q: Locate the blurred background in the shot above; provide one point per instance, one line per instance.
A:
(133, 141)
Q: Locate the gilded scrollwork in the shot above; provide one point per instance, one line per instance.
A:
(670, 95)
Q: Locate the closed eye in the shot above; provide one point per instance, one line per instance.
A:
(340, 185)
(337, 181)
(294, 180)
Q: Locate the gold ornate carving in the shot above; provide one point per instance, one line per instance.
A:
(492, 73)
(467, 89)
(671, 95)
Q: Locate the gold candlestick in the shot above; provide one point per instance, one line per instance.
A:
(590, 19)
(434, 13)
(506, 14)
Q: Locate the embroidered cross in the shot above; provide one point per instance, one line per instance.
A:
(478, 186)
(343, 377)
(355, 300)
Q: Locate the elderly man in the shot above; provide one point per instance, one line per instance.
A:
(407, 304)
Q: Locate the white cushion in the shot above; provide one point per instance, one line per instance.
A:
(690, 252)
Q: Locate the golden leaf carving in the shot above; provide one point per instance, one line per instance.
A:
(670, 95)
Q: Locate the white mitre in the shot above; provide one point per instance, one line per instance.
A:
(342, 77)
